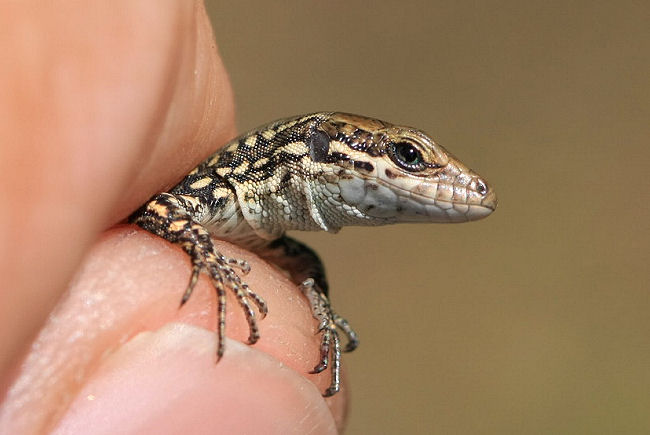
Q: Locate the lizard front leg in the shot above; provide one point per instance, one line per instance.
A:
(175, 218)
(308, 272)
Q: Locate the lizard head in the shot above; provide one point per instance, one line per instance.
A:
(384, 173)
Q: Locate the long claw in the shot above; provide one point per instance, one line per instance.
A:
(196, 270)
(221, 313)
(262, 307)
(335, 383)
(353, 338)
(324, 353)
(328, 322)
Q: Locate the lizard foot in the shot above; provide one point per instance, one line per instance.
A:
(328, 322)
(170, 217)
(223, 276)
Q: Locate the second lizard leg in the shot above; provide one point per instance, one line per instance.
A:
(308, 272)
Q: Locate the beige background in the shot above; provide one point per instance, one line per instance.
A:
(536, 320)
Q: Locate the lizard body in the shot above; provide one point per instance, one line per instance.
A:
(320, 171)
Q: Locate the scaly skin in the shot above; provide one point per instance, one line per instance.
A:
(314, 172)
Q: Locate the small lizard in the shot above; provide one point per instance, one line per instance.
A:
(313, 172)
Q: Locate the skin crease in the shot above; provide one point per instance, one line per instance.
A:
(103, 105)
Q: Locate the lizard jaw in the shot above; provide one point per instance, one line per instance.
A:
(457, 195)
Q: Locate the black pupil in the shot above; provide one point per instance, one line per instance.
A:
(408, 153)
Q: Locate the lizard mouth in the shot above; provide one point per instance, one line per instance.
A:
(431, 208)
(416, 200)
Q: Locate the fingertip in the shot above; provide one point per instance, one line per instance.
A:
(130, 283)
(161, 382)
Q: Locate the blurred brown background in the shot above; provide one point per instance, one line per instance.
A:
(537, 319)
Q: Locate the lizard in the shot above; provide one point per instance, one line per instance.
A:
(314, 172)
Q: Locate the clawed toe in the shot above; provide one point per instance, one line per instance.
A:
(330, 345)
(222, 275)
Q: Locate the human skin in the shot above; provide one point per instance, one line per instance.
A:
(104, 104)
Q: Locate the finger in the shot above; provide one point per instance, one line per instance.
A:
(97, 100)
(239, 395)
(132, 282)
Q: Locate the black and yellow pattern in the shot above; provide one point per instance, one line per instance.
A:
(313, 172)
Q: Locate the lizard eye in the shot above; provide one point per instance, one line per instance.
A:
(407, 156)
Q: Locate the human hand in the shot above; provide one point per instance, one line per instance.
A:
(104, 106)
